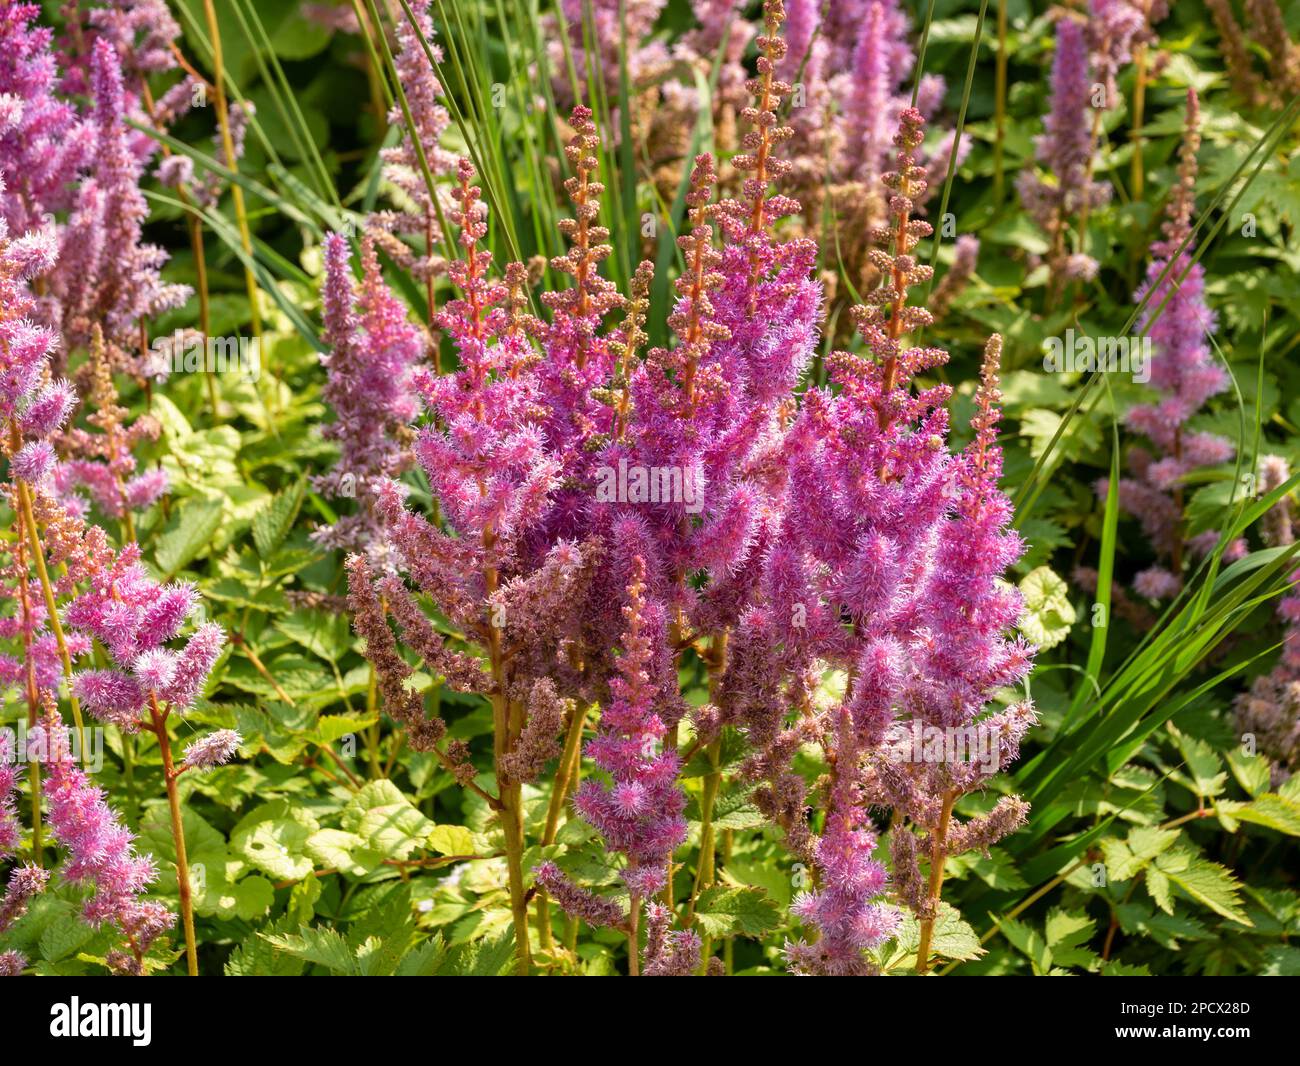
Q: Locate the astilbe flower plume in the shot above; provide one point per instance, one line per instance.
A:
(134, 618)
(1184, 373)
(1268, 29)
(1114, 29)
(103, 463)
(101, 851)
(373, 352)
(215, 749)
(579, 359)
(639, 814)
(411, 233)
(107, 274)
(1065, 150)
(668, 952)
(25, 884)
(43, 141)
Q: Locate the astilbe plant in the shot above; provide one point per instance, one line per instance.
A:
(101, 460)
(1185, 375)
(840, 533)
(84, 594)
(1268, 714)
(373, 350)
(107, 275)
(411, 233)
(1056, 200)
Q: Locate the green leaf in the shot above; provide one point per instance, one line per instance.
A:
(1030, 943)
(274, 838)
(488, 957)
(1048, 613)
(63, 936)
(1283, 961)
(723, 911)
(1251, 771)
(191, 532)
(333, 849)
(451, 840)
(1126, 858)
(324, 947)
(1114, 968)
(1161, 890)
(1206, 882)
(1202, 763)
(424, 960)
(328, 636)
(1067, 934)
(1271, 810)
(386, 820)
(272, 523)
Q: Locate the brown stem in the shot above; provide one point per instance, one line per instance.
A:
(564, 774)
(33, 694)
(507, 722)
(938, 853)
(170, 774)
(51, 606)
(633, 948)
(705, 867)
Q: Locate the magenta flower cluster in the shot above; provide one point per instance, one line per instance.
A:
(791, 533)
(1185, 374)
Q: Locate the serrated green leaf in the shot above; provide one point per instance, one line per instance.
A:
(272, 523)
(723, 911)
(489, 957)
(191, 532)
(323, 947)
(1272, 811)
(1048, 614)
(1206, 882)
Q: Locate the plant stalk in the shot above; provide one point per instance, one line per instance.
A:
(228, 148)
(159, 722)
(564, 775)
(938, 853)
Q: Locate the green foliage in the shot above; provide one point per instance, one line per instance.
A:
(1156, 843)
